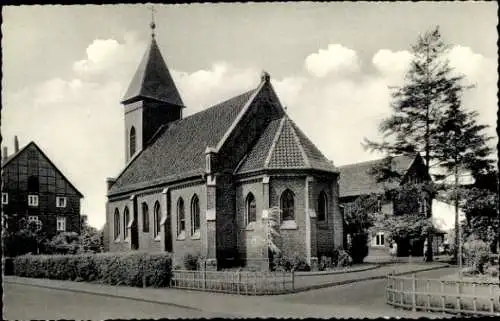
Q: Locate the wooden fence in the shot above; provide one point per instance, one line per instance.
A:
(237, 282)
(446, 296)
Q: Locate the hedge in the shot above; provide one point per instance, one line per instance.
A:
(109, 268)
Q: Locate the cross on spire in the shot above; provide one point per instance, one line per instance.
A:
(152, 24)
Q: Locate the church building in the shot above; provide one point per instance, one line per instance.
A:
(204, 184)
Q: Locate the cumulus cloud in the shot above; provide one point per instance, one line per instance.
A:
(108, 58)
(392, 65)
(204, 88)
(467, 62)
(481, 72)
(335, 59)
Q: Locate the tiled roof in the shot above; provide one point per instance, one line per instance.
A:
(355, 179)
(153, 80)
(12, 156)
(179, 150)
(283, 146)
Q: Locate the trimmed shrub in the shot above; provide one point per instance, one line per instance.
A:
(477, 255)
(109, 268)
(288, 264)
(337, 257)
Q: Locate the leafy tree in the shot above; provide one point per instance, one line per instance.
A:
(28, 238)
(479, 206)
(360, 216)
(401, 227)
(90, 240)
(407, 222)
(431, 88)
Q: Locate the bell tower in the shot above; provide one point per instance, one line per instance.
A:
(151, 100)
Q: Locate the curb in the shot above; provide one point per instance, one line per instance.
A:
(118, 296)
(336, 283)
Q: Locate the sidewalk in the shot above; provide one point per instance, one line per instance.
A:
(244, 306)
(308, 282)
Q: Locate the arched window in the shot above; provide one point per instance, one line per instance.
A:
(250, 209)
(145, 218)
(126, 218)
(157, 219)
(322, 206)
(116, 223)
(132, 141)
(181, 219)
(195, 215)
(287, 206)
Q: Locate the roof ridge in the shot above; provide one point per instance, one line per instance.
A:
(274, 142)
(212, 106)
(371, 161)
(239, 116)
(15, 154)
(307, 163)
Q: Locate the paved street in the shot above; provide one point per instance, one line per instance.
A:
(366, 295)
(29, 300)
(22, 302)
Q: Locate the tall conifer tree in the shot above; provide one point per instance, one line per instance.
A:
(461, 144)
(420, 104)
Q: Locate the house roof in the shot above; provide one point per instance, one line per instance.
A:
(153, 80)
(178, 150)
(355, 179)
(22, 150)
(283, 145)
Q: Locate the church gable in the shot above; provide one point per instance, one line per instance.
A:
(249, 127)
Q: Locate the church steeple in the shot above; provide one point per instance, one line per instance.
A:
(152, 78)
(151, 100)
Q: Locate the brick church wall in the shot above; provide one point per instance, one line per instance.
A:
(292, 240)
(147, 241)
(248, 246)
(327, 229)
(117, 244)
(190, 244)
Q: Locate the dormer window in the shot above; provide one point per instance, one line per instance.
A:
(61, 201)
(5, 198)
(33, 200)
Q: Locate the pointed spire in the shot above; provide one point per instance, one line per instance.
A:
(152, 78)
(152, 24)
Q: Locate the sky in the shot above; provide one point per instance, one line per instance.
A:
(66, 68)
